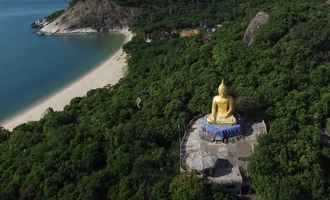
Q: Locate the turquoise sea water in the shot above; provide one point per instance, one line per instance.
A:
(32, 67)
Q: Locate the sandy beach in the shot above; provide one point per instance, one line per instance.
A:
(109, 72)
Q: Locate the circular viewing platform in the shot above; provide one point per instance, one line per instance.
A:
(218, 157)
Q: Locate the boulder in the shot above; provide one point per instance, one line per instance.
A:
(256, 23)
(39, 24)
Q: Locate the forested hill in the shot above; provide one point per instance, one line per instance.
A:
(104, 146)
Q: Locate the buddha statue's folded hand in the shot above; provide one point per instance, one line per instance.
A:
(228, 114)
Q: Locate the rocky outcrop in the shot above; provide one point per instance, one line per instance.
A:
(256, 23)
(92, 16)
(39, 24)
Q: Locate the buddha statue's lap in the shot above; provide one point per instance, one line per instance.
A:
(222, 108)
(222, 120)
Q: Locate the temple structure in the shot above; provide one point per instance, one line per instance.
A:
(218, 145)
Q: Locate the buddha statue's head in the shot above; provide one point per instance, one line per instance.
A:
(222, 89)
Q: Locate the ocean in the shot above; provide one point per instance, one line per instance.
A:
(33, 67)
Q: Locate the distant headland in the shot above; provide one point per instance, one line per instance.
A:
(86, 17)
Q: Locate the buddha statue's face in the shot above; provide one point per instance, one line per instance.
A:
(222, 91)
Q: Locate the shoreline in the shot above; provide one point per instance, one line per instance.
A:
(108, 72)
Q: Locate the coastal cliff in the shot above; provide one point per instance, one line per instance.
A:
(91, 16)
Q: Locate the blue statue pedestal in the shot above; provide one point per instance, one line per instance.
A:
(214, 132)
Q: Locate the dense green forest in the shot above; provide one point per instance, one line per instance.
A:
(104, 146)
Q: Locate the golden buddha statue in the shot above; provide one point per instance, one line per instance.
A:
(222, 108)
